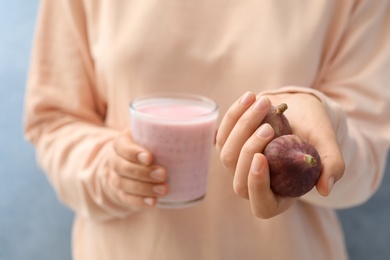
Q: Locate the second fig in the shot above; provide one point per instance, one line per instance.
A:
(278, 120)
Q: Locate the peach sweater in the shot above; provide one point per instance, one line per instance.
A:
(90, 58)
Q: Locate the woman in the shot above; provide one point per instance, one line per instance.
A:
(328, 60)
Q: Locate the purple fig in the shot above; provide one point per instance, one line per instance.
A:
(278, 120)
(294, 164)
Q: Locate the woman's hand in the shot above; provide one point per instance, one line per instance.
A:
(240, 143)
(133, 180)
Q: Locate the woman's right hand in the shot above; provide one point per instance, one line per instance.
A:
(133, 179)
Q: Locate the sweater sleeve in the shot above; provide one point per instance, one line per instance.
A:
(64, 113)
(354, 86)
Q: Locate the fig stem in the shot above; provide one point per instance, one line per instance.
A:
(281, 108)
(310, 160)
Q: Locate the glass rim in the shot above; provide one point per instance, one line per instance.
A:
(180, 97)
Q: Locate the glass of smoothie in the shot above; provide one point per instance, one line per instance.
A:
(179, 130)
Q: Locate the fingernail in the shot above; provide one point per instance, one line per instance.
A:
(261, 104)
(330, 184)
(264, 131)
(255, 166)
(158, 174)
(149, 201)
(160, 189)
(246, 98)
(143, 158)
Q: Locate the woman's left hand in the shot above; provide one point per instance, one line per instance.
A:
(240, 142)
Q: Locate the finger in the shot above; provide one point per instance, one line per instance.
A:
(264, 203)
(153, 174)
(332, 161)
(232, 116)
(125, 198)
(138, 188)
(125, 147)
(333, 168)
(242, 130)
(255, 144)
(137, 201)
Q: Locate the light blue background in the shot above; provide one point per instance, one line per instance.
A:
(35, 226)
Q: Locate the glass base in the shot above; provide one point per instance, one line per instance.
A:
(178, 204)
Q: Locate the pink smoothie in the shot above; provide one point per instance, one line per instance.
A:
(180, 137)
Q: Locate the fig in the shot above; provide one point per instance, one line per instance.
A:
(278, 120)
(294, 164)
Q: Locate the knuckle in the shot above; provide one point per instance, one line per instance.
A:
(228, 159)
(122, 196)
(232, 115)
(126, 195)
(246, 122)
(133, 200)
(116, 164)
(219, 142)
(336, 166)
(117, 183)
(249, 149)
(113, 180)
(261, 214)
(340, 168)
(127, 198)
(126, 169)
(138, 174)
(129, 186)
(117, 144)
(122, 167)
(126, 152)
(241, 190)
(139, 188)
